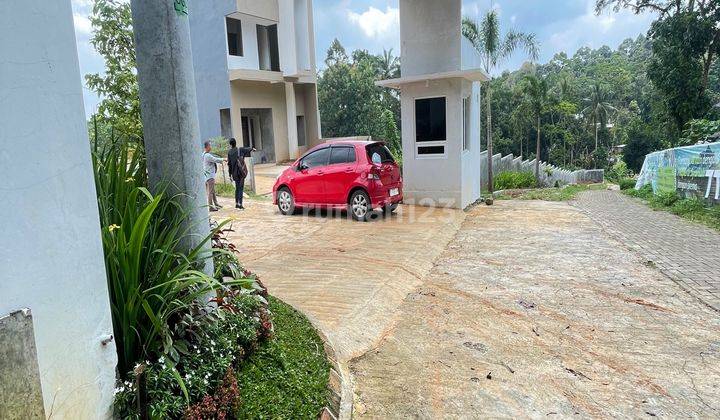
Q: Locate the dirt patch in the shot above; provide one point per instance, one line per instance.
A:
(563, 322)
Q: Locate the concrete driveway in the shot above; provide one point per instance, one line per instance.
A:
(522, 309)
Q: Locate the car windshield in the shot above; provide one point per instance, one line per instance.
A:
(378, 153)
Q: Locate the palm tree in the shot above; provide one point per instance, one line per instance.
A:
(389, 65)
(598, 109)
(494, 49)
(536, 95)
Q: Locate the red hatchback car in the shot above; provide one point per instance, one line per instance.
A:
(357, 175)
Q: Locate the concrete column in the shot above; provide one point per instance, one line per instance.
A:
(169, 108)
(291, 120)
(51, 255)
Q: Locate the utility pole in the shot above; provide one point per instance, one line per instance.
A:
(169, 108)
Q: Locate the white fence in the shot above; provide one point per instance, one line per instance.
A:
(549, 174)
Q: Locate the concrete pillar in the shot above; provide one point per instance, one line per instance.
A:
(51, 255)
(169, 108)
(291, 120)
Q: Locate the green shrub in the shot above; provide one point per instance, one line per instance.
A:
(645, 192)
(216, 349)
(627, 183)
(515, 180)
(665, 199)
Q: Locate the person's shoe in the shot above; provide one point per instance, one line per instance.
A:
(213, 209)
(238, 206)
(241, 207)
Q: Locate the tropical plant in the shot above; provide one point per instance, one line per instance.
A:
(113, 39)
(389, 65)
(536, 95)
(493, 48)
(152, 280)
(598, 109)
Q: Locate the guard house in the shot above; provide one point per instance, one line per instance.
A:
(440, 105)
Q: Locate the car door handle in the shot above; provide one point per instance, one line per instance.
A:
(320, 172)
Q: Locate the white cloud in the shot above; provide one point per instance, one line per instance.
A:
(593, 30)
(374, 22)
(83, 27)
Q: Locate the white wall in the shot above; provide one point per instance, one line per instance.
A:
(302, 35)
(250, 58)
(433, 181)
(430, 36)
(51, 257)
(286, 37)
(470, 158)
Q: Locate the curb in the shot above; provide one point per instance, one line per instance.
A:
(339, 386)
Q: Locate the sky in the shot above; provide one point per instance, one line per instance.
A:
(559, 25)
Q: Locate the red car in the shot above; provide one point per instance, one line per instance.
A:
(355, 175)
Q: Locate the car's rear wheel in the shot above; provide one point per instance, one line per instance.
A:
(285, 201)
(390, 208)
(360, 207)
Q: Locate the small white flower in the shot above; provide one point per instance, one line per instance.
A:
(161, 360)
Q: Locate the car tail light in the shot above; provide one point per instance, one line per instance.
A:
(374, 174)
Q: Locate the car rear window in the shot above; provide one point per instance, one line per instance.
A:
(383, 153)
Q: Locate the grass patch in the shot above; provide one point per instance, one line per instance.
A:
(287, 376)
(688, 208)
(228, 191)
(550, 194)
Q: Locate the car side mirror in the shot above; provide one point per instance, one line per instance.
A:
(302, 167)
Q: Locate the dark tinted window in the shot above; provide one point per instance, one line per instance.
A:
(234, 36)
(430, 119)
(431, 150)
(382, 152)
(342, 155)
(317, 158)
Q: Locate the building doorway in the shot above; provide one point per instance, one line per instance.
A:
(257, 132)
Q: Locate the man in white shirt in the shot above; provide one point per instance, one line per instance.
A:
(210, 162)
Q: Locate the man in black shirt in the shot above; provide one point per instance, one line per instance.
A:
(238, 169)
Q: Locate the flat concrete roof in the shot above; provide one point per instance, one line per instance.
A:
(473, 75)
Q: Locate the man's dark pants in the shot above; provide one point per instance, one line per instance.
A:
(239, 187)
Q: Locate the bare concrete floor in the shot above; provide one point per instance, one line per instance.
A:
(522, 309)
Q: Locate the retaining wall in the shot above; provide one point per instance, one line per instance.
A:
(549, 174)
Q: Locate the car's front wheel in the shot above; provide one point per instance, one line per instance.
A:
(285, 201)
(360, 207)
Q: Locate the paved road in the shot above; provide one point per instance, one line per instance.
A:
(686, 252)
(522, 309)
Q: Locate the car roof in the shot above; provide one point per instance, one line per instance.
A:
(353, 142)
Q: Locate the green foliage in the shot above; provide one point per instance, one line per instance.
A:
(698, 130)
(113, 40)
(152, 278)
(640, 142)
(216, 348)
(515, 180)
(687, 208)
(566, 193)
(666, 198)
(287, 376)
(618, 171)
(679, 43)
(350, 103)
(627, 183)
